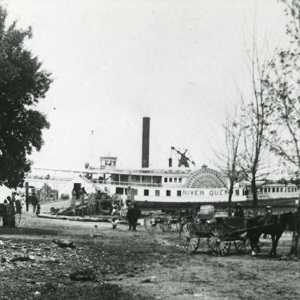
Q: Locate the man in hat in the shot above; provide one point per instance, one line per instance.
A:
(34, 201)
(267, 217)
(133, 214)
(268, 213)
(27, 201)
(239, 212)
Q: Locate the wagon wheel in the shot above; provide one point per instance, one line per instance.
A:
(243, 245)
(150, 223)
(188, 240)
(217, 240)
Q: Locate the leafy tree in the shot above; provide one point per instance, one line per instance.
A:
(22, 84)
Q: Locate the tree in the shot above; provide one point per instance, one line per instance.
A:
(285, 93)
(228, 157)
(254, 161)
(22, 84)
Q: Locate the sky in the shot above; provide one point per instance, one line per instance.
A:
(114, 62)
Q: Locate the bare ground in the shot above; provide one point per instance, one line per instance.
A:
(133, 265)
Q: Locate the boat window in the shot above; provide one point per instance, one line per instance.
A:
(237, 192)
(289, 189)
(170, 179)
(146, 192)
(135, 178)
(168, 193)
(273, 190)
(156, 179)
(180, 180)
(119, 191)
(146, 179)
(277, 190)
(178, 193)
(166, 179)
(114, 177)
(124, 178)
(269, 190)
(281, 190)
(265, 190)
(157, 193)
(175, 180)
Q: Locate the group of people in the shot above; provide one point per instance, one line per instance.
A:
(239, 212)
(13, 205)
(34, 201)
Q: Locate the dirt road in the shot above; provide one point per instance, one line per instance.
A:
(132, 265)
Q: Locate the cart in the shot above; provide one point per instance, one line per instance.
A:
(166, 222)
(220, 233)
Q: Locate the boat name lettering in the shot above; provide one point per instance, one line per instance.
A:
(204, 192)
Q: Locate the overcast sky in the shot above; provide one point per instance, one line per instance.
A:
(114, 62)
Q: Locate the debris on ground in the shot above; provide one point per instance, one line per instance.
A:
(64, 243)
(20, 258)
(83, 275)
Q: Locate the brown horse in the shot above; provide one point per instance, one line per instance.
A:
(274, 225)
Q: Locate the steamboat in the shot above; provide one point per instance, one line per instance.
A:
(180, 186)
(173, 187)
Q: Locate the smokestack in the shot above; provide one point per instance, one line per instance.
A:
(145, 142)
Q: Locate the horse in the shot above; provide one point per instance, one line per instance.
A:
(273, 225)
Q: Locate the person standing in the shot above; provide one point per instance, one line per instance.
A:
(10, 213)
(295, 248)
(267, 217)
(38, 208)
(18, 205)
(73, 199)
(34, 201)
(27, 201)
(132, 216)
(13, 198)
(5, 213)
(239, 212)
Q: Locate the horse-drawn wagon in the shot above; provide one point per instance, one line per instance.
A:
(222, 231)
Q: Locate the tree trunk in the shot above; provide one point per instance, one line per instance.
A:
(230, 200)
(254, 193)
